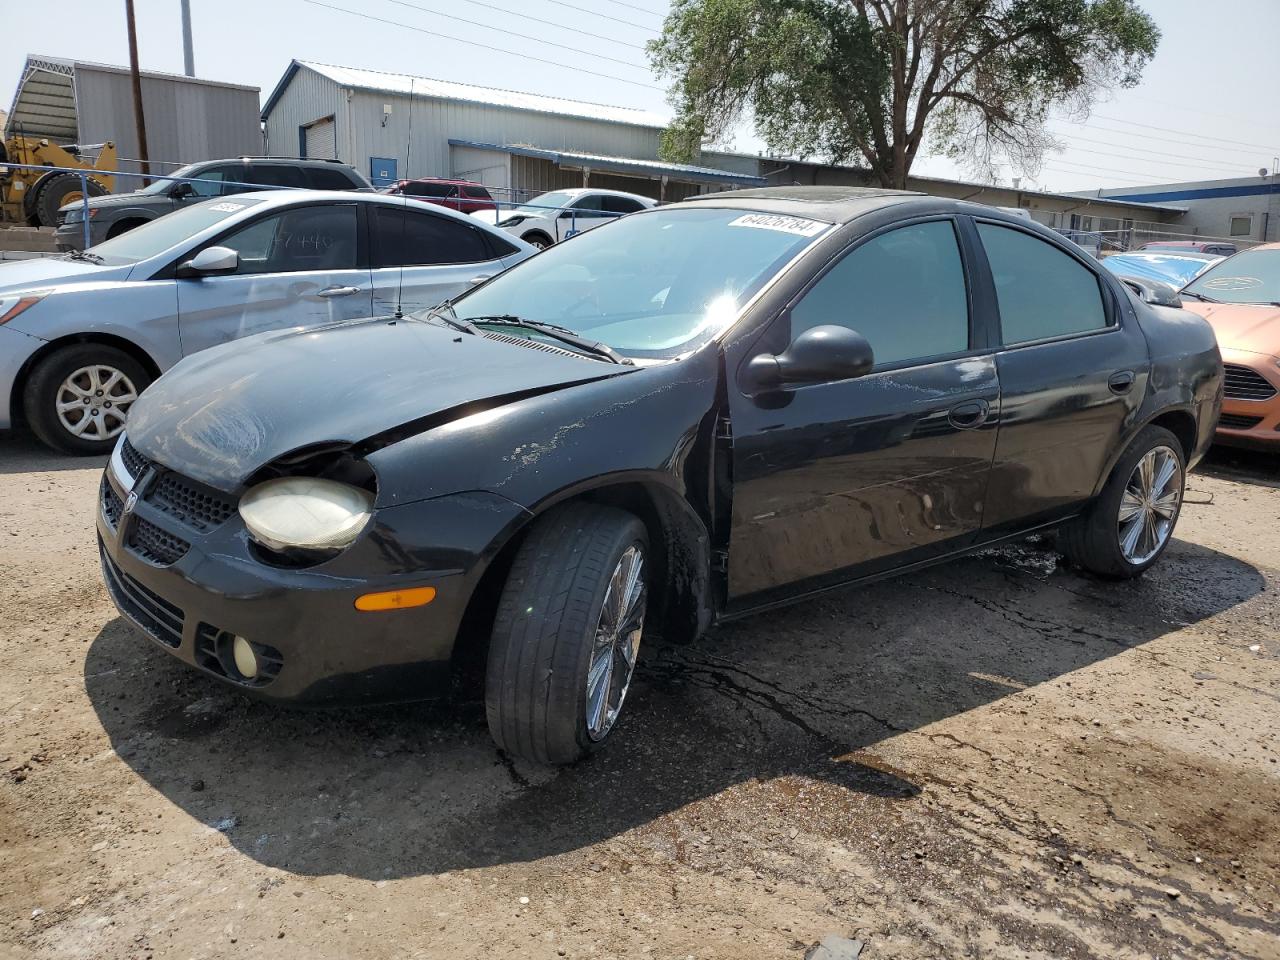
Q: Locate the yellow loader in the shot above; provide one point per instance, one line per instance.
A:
(32, 197)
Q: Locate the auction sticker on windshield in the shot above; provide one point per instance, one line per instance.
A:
(226, 207)
(800, 226)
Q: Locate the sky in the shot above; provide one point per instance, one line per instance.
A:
(1206, 108)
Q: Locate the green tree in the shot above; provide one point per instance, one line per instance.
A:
(864, 81)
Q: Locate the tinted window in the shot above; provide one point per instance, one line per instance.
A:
(621, 205)
(1042, 291)
(405, 238)
(305, 238)
(440, 190)
(591, 202)
(903, 290)
(476, 193)
(275, 175)
(332, 178)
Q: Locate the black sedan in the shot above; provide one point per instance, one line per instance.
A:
(688, 415)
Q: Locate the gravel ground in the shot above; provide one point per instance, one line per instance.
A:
(996, 758)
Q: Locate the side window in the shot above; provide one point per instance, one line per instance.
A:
(304, 238)
(476, 193)
(208, 183)
(1042, 291)
(622, 205)
(903, 290)
(588, 205)
(329, 178)
(406, 238)
(275, 175)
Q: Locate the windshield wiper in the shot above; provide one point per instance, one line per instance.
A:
(85, 255)
(1199, 296)
(563, 334)
(451, 319)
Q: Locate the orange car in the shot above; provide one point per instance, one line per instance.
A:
(1240, 297)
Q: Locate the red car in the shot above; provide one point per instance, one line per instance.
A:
(464, 196)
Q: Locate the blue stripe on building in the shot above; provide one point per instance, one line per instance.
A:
(1206, 193)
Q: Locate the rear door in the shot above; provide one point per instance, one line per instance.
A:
(420, 258)
(301, 266)
(836, 481)
(585, 212)
(1072, 370)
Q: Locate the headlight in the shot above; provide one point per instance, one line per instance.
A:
(305, 513)
(12, 304)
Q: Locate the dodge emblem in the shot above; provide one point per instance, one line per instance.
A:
(130, 502)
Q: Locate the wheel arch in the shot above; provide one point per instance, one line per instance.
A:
(538, 232)
(53, 346)
(127, 223)
(1180, 420)
(681, 550)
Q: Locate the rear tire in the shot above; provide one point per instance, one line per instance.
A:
(536, 238)
(1130, 524)
(54, 394)
(568, 626)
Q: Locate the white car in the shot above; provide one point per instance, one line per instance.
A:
(552, 217)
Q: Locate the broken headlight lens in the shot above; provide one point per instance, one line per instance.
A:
(305, 513)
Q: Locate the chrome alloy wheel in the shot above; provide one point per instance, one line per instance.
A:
(94, 401)
(1149, 505)
(616, 644)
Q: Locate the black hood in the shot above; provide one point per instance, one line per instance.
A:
(221, 415)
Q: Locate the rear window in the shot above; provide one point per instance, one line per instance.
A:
(476, 193)
(418, 189)
(331, 178)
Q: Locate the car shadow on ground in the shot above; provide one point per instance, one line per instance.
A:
(804, 692)
(23, 453)
(1242, 464)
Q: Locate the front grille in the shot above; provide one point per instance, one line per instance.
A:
(194, 505)
(134, 462)
(1241, 383)
(112, 505)
(156, 545)
(157, 616)
(213, 652)
(1234, 421)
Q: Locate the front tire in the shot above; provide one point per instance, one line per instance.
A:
(536, 238)
(567, 633)
(77, 399)
(1131, 523)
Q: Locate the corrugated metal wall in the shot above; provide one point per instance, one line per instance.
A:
(534, 175)
(308, 98)
(186, 121)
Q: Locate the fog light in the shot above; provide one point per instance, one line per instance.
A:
(246, 659)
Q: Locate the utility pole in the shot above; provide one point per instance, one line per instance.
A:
(188, 55)
(137, 90)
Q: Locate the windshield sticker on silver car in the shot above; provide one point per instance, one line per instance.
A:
(227, 207)
(800, 226)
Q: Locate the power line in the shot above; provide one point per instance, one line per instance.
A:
(554, 23)
(597, 13)
(1181, 141)
(483, 46)
(622, 3)
(1215, 168)
(1156, 153)
(1147, 126)
(1144, 178)
(488, 26)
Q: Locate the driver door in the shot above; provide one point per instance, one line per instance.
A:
(585, 212)
(835, 481)
(298, 268)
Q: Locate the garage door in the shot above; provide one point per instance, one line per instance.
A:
(321, 140)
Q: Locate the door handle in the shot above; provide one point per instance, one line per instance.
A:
(330, 292)
(969, 415)
(481, 279)
(1121, 382)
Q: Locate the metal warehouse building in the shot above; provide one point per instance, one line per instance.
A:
(188, 119)
(509, 141)
(1242, 209)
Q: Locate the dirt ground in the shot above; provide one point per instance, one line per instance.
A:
(997, 758)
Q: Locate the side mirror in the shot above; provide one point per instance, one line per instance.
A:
(819, 355)
(1153, 291)
(181, 191)
(209, 261)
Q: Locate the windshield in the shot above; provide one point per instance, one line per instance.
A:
(154, 238)
(1169, 268)
(542, 202)
(1249, 277)
(651, 285)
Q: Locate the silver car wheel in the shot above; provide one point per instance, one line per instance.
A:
(94, 401)
(1149, 505)
(616, 644)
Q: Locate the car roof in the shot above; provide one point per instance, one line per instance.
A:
(836, 204)
(285, 196)
(578, 191)
(467, 183)
(286, 161)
